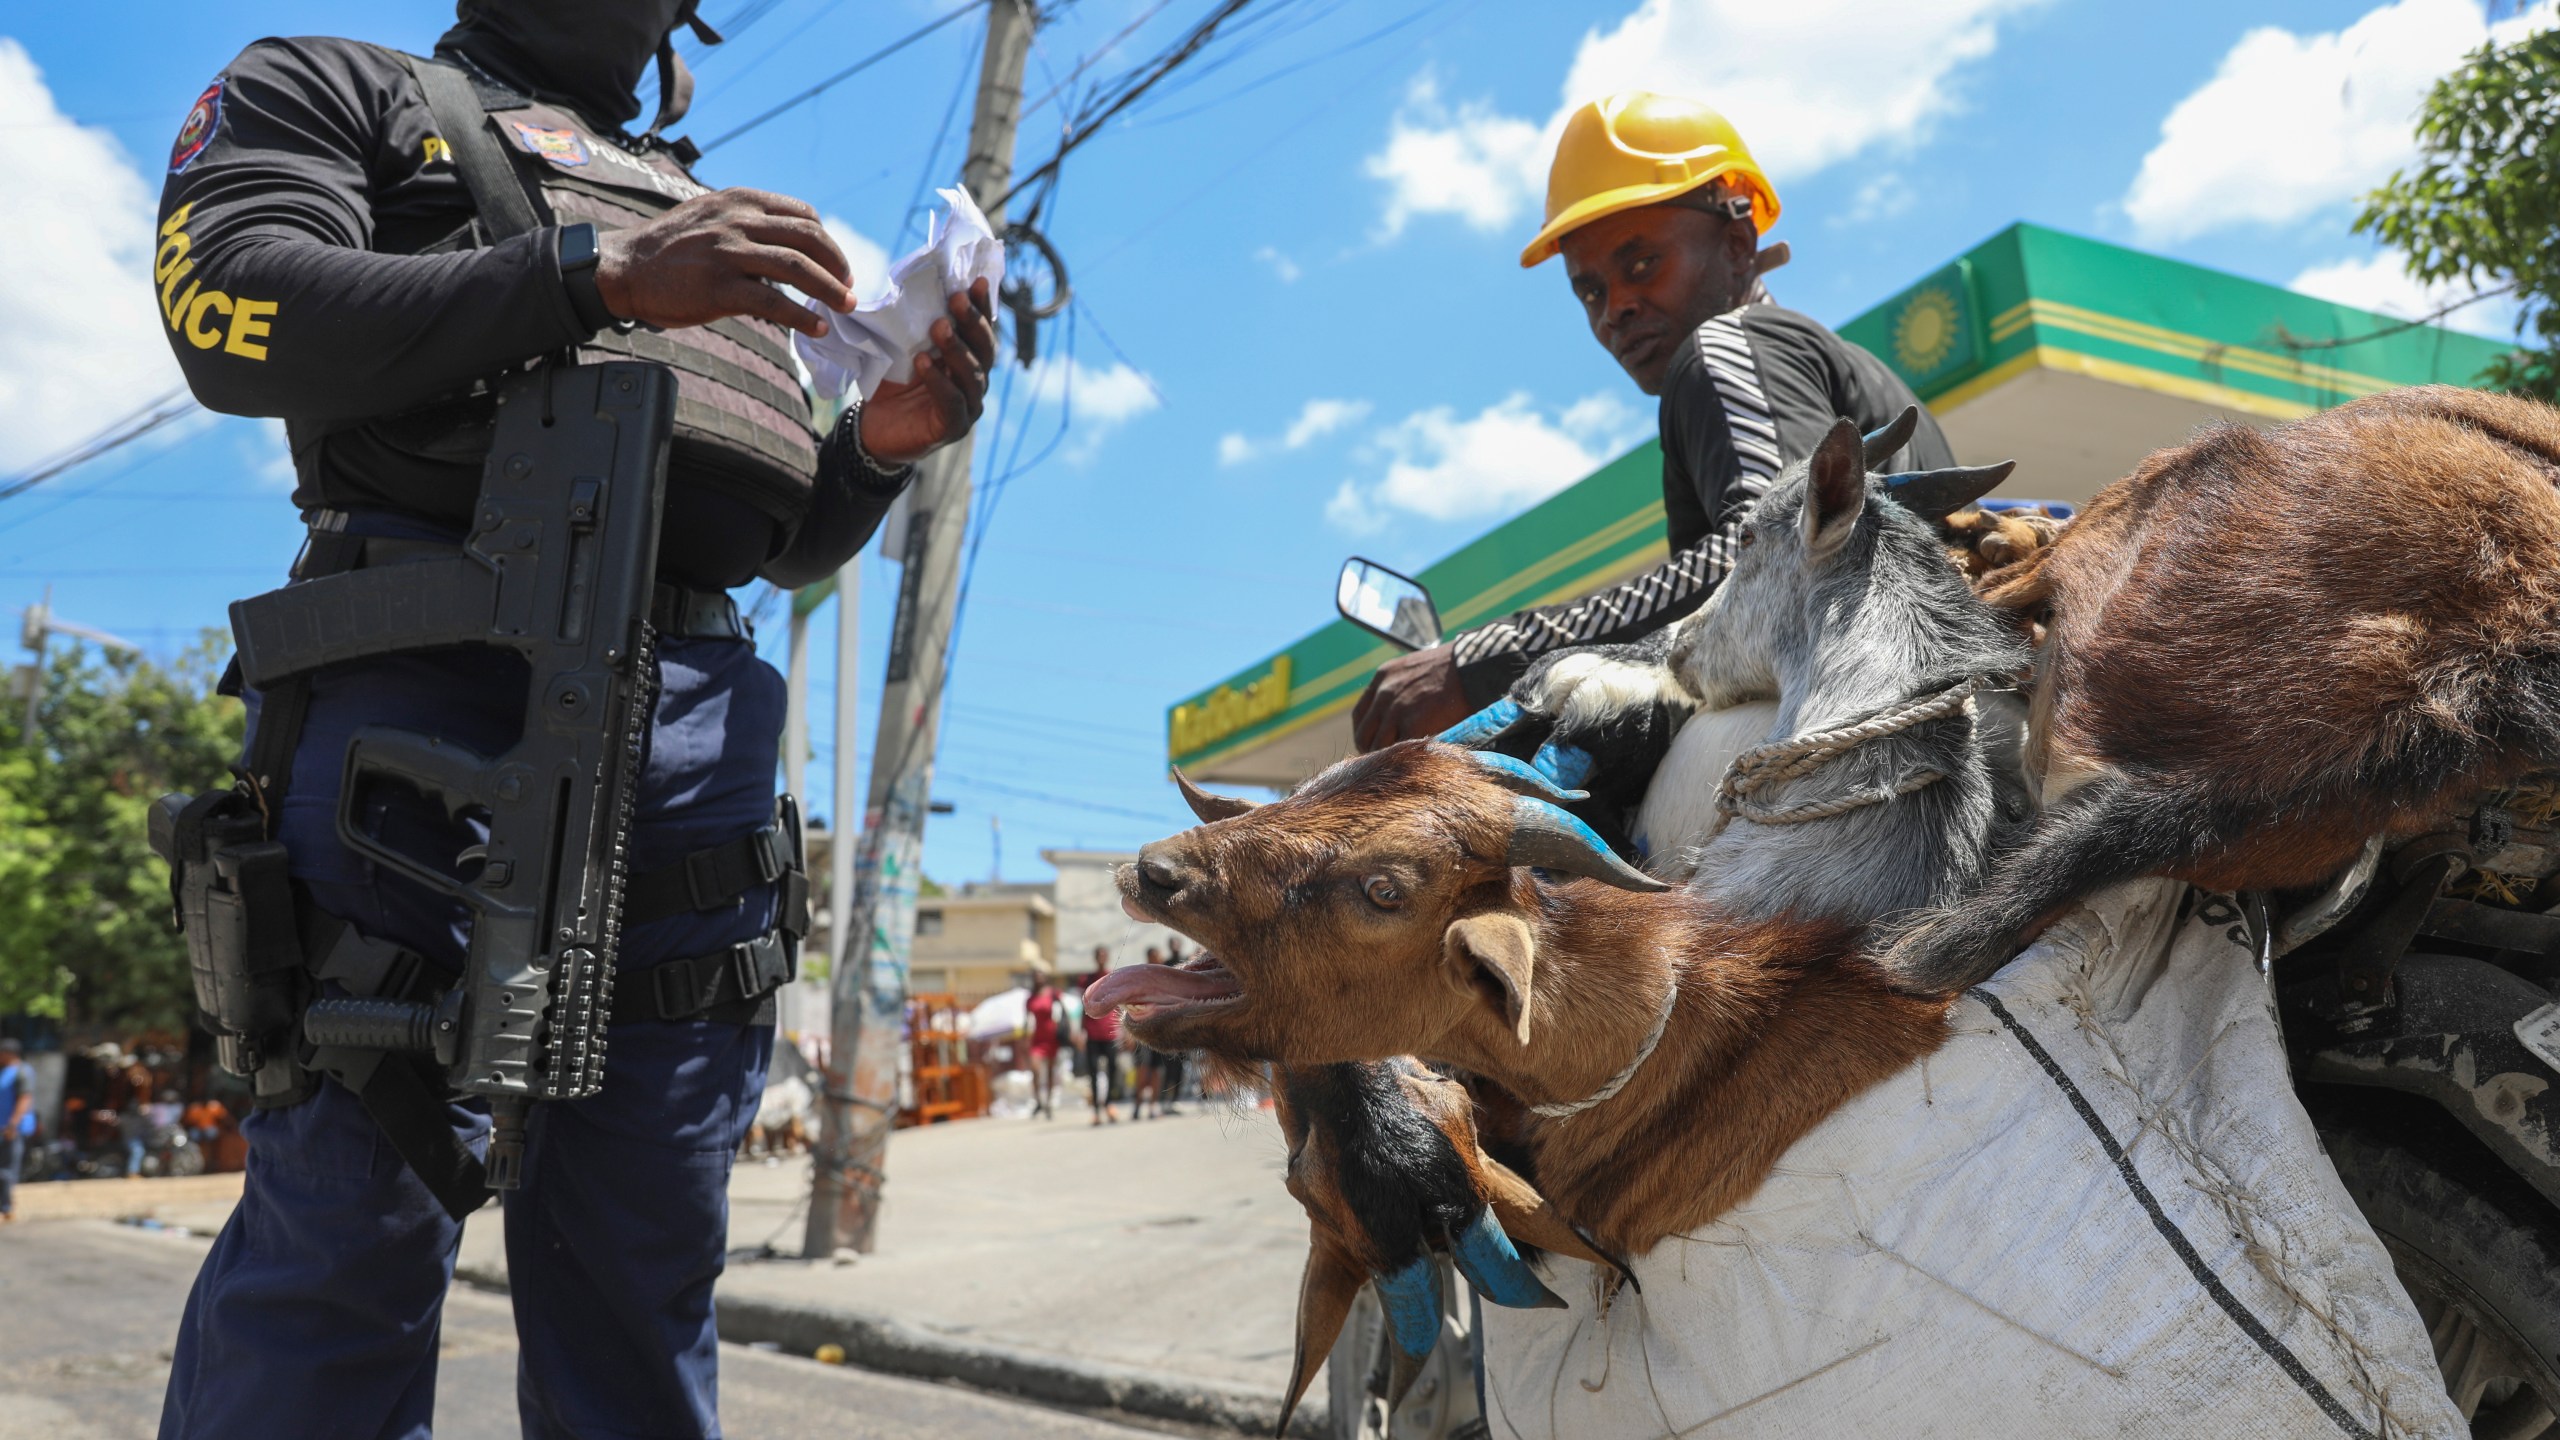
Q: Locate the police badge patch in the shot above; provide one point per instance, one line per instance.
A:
(560, 147)
(196, 131)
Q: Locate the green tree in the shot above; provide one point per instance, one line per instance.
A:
(2482, 206)
(114, 733)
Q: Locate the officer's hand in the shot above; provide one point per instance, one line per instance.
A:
(1411, 697)
(903, 423)
(722, 254)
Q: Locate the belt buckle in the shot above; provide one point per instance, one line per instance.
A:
(742, 967)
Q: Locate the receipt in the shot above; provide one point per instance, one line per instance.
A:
(879, 341)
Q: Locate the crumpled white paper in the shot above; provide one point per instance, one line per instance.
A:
(879, 341)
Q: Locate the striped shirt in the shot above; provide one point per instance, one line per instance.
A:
(1753, 391)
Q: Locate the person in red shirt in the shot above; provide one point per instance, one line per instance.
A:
(1101, 1044)
(1043, 1007)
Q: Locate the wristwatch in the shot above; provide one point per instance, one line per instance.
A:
(578, 255)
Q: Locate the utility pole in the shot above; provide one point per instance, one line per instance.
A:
(38, 624)
(879, 918)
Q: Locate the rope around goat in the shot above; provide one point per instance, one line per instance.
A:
(1765, 766)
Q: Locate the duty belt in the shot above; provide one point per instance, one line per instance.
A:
(677, 611)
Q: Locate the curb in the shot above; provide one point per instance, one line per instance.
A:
(897, 1347)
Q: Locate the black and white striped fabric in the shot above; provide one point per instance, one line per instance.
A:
(1620, 611)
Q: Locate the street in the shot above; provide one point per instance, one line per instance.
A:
(88, 1309)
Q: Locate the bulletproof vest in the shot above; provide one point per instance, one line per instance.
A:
(743, 427)
(743, 424)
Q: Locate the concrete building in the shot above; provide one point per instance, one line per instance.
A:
(982, 940)
(2073, 357)
(1089, 912)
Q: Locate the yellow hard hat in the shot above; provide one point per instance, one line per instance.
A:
(1638, 148)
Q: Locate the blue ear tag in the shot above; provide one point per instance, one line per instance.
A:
(1485, 1256)
(1569, 765)
(1411, 1297)
(1483, 725)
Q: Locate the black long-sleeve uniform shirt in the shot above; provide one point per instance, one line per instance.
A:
(300, 190)
(1753, 390)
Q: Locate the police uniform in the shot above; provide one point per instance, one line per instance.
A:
(321, 260)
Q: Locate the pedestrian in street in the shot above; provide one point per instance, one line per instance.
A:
(1043, 1008)
(17, 1122)
(133, 1117)
(1149, 1064)
(1172, 1065)
(1101, 1044)
(373, 247)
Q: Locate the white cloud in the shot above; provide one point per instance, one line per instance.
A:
(1505, 457)
(84, 346)
(1316, 419)
(1808, 84)
(1097, 400)
(1886, 197)
(1281, 265)
(269, 455)
(2380, 284)
(870, 260)
(2292, 124)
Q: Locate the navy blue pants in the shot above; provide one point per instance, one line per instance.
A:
(317, 1312)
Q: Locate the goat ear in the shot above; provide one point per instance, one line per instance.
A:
(1498, 945)
(1835, 491)
(1207, 806)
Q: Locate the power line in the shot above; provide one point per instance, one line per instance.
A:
(847, 73)
(1123, 93)
(175, 405)
(1020, 793)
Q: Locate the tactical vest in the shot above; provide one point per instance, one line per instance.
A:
(743, 426)
(743, 423)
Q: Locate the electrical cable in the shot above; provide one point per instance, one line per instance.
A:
(175, 405)
(1127, 93)
(848, 72)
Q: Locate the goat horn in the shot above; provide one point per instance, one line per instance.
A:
(1937, 494)
(1524, 778)
(1325, 1292)
(1566, 764)
(1211, 807)
(1884, 440)
(1483, 725)
(1550, 839)
(1486, 1256)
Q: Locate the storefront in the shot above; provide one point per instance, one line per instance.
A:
(2073, 357)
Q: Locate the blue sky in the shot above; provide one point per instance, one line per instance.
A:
(1301, 326)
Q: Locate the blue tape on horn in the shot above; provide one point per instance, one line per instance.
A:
(1486, 1257)
(1571, 765)
(1522, 770)
(1483, 725)
(1411, 1298)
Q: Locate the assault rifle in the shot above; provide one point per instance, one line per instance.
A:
(559, 566)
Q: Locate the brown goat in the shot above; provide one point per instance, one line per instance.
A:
(1383, 910)
(2266, 646)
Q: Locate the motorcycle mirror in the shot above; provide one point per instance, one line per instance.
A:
(1385, 603)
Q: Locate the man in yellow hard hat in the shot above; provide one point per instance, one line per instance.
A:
(1658, 209)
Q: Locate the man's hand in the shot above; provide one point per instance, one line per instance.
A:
(903, 423)
(723, 254)
(1411, 697)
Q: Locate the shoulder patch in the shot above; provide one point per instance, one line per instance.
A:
(196, 131)
(560, 147)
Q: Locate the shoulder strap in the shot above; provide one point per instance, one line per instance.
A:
(497, 191)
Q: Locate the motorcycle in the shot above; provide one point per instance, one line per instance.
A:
(2420, 986)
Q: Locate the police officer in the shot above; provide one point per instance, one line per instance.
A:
(327, 254)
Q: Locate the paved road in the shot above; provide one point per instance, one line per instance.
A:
(87, 1311)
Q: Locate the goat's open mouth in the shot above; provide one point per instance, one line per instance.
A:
(1152, 992)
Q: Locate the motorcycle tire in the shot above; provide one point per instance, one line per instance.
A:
(2477, 1249)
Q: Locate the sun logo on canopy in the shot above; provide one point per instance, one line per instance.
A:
(1926, 330)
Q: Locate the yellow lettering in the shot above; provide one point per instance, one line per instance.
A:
(170, 226)
(173, 310)
(247, 325)
(172, 254)
(437, 150)
(197, 335)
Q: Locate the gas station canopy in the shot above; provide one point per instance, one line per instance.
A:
(2073, 357)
